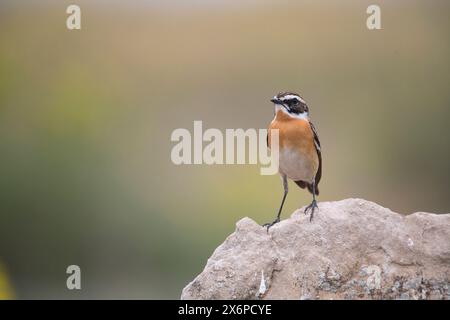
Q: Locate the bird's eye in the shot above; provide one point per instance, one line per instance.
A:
(294, 102)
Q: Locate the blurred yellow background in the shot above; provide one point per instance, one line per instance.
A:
(86, 118)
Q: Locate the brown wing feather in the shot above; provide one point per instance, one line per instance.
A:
(319, 154)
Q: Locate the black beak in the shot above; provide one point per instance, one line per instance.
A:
(276, 101)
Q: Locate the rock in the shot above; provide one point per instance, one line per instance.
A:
(353, 249)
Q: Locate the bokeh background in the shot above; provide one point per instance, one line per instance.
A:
(86, 118)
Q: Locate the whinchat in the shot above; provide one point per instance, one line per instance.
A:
(300, 157)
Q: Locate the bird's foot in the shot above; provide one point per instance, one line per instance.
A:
(311, 207)
(268, 225)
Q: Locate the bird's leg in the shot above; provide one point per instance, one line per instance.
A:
(285, 186)
(313, 204)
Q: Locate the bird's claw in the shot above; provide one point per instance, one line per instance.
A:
(268, 225)
(311, 207)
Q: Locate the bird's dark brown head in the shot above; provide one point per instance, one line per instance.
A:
(291, 102)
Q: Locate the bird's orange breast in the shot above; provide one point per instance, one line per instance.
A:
(295, 135)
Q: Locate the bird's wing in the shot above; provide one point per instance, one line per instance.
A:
(319, 152)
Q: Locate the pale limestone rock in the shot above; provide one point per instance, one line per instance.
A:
(353, 249)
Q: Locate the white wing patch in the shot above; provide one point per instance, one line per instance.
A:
(316, 137)
(317, 145)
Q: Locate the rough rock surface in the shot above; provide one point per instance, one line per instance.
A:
(353, 249)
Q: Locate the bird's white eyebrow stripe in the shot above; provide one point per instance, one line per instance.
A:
(291, 96)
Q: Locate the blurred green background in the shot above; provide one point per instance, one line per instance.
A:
(86, 117)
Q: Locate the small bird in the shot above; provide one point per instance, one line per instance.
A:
(300, 157)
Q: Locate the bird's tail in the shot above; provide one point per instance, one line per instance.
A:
(303, 185)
